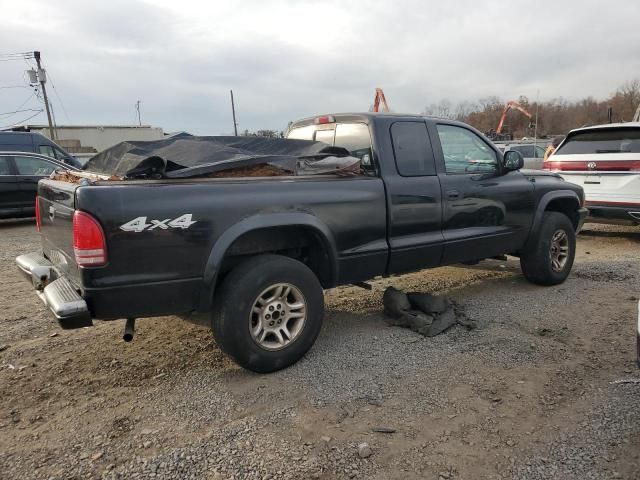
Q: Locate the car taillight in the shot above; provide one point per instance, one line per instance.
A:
(594, 165)
(89, 244)
(38, 219)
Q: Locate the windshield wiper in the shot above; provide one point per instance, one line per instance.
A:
(611, 150)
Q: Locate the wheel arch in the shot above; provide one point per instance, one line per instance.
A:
(263, 233)
(562, 201)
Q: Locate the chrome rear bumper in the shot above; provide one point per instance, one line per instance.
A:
(57, 293)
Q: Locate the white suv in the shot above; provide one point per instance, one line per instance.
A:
(605, 161)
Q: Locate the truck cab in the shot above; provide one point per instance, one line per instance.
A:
(449, 191)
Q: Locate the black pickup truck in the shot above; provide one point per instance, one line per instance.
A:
(253, 255)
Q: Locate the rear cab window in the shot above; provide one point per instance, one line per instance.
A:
(354, 137)
(601, 141)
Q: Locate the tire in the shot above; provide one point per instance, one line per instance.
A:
(537, 259)
(256, 282)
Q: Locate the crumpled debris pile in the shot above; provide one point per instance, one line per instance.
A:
(426, 314)
(73, 176)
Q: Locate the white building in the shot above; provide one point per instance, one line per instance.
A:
(89, 139)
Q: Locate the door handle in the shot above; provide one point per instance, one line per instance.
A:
(453, 194)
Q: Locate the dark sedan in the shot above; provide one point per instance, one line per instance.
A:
(19, 176)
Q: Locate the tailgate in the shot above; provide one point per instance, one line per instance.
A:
(56, 201)
(607, 187)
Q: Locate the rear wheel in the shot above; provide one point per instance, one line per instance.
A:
(268, 312)
(548, 259)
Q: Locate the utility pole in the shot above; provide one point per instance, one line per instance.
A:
(233, 111)
(42, 78)
(138, 110)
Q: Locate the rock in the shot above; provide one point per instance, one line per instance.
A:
(146, 444)
(325, 439)
(3, 347)
(96, 456)
(54, 334)
(442, 322)
(364, 450)
(428, 303)
(384, 430)
(416, 320)
(395, 302)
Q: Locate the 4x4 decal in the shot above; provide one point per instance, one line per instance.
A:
(140, 224)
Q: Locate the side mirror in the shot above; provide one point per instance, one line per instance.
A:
(513, 160)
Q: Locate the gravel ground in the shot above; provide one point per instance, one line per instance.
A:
(533, 393)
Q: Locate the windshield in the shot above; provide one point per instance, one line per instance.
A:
(614, 140)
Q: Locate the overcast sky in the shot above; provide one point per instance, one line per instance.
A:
(290, 59)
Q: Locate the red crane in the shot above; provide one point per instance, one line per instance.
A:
(509, 105)
(380, 98)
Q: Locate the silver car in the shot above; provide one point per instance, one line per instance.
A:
(533, 153)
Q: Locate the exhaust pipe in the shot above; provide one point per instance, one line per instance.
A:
(129, 329)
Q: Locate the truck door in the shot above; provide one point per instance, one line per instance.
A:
(486, 212)
(414, 200)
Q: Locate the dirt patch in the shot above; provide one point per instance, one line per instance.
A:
(263, 170)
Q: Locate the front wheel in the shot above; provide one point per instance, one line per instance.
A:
(268, 312)
(548, 258)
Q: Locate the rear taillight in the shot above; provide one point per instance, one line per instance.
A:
(38, 219)
(592, 165)
(89, 245)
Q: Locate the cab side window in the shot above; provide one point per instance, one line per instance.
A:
(59, 154)
(47, 150)
(33, 166)
(5, 168)
(412, 149)
(465, 152)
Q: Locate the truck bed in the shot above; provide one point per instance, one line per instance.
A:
(149, 258)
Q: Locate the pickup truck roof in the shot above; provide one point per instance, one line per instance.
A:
(366, 117)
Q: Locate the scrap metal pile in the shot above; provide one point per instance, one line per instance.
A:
(426, 314)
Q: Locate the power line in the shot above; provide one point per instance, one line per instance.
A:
(55, 90)
(12, 56)
(14, 86)
(23, 120)
(22, 104)
(20, 111)
(15, 53)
